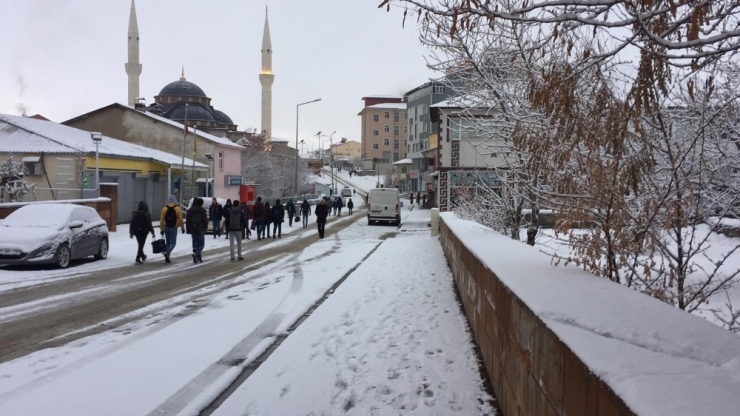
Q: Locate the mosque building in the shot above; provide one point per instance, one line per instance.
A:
(185, 102)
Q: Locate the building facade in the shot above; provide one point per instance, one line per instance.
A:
(383, 134)
(348, 151)
(460, 161)
(147, 129)
(420, 126)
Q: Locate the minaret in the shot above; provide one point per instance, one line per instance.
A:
(266, 79)
(133, 67)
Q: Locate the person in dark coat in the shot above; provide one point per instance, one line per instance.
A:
(350, 205)
(247, 214)
(234, 227)
(340, 205)
(418, 198)
(278, 217)
(412, 197)
(290, 209)
(321, 211)
(141, 225)
(258, 215)
(225, 212)
(216, 213)
(305, 212)
(268, 219)
(197, 223)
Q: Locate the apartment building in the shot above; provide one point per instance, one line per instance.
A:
(420, 126)
(384, 128)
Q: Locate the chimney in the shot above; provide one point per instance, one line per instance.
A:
(140, 104)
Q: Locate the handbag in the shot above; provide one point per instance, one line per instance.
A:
(297, 218)
(158, 246)
(254, 225)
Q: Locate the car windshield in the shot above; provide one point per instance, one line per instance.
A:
(44, 216)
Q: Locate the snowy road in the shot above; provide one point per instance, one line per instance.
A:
(193, 339)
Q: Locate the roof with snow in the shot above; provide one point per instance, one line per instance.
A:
(28, 135)
(403, 162)
(398, 106)
(201, 135)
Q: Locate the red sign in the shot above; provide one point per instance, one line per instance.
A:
(414, 174)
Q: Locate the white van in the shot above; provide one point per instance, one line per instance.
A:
(384, 204)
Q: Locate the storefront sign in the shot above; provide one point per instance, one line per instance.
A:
(233, 180)
(414, 174)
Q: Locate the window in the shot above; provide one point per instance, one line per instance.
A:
(386, 142)
(395, 157)
(387, 129)
(405, 143)
(375, 145)
(396, 143)
(220, 160)
(376, 117)
(396, 130)
(387, 114)
(439, 89)
(405, 129)
(405, 116)
(396, 117)
(376, 133)
(32, 166)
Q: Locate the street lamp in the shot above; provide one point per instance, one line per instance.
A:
(97, 137)
(210, 173)
(302, 143)
(331, 161)
(296, 139)
(182, 163)
(321, 148)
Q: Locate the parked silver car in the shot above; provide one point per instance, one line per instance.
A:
(52, 234)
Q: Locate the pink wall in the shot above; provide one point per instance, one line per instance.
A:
(232, 166)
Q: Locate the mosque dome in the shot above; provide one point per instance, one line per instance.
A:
(195, 113)
(222, 118)
(183, 88)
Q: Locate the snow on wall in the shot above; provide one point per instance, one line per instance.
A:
(563, 341)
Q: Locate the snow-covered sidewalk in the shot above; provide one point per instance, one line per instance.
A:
(391, 340)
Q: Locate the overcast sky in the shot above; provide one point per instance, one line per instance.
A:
(63, 58)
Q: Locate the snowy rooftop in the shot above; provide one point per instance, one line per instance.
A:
(403, 162)
(201, 134)
(27, 135)
(397, 106)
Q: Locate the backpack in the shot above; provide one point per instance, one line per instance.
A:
(235, 220)
(196, 220)
(170, 217)
(276, 214)
(138, 223)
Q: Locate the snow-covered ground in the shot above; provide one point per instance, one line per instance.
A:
(387, 341)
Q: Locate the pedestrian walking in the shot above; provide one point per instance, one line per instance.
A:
(418, 198)
(334, 206)
(350, 205)
(321, 211)
(340, 205)
(268, 219)
(226, 210)
(278, 217)
(424, 200)
(234, 226)
(290, 208)
(216, 213)
(305, 212)
(412, 197)
(258, 212)
(197, 223)
(140, 227)
(245, 211)
(169, 220)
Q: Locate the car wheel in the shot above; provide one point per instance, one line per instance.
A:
(63, 256)
(103, 250)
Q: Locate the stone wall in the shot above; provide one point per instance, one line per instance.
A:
(531, 370)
